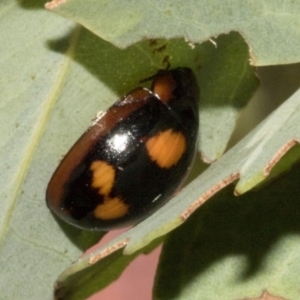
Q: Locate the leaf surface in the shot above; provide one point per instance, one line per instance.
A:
(237, 248)
(269, 27)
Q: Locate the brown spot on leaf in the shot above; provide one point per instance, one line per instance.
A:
(152, 42)
(160, 49)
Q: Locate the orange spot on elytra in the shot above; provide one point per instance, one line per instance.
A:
(166, 148)
(163, 87)
(111, 209)
(103, 176)
(103, 179)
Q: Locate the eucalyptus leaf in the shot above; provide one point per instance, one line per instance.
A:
(236, 247)
(32, 246)
(270, 28)
(227, 83)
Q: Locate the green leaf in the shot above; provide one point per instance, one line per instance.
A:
(34, 247)
(272, 140)
(269, 27)
(236, 248)
(227, 83)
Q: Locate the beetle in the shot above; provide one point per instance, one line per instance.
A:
(133, 158)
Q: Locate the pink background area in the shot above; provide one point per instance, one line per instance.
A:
(136, 282)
